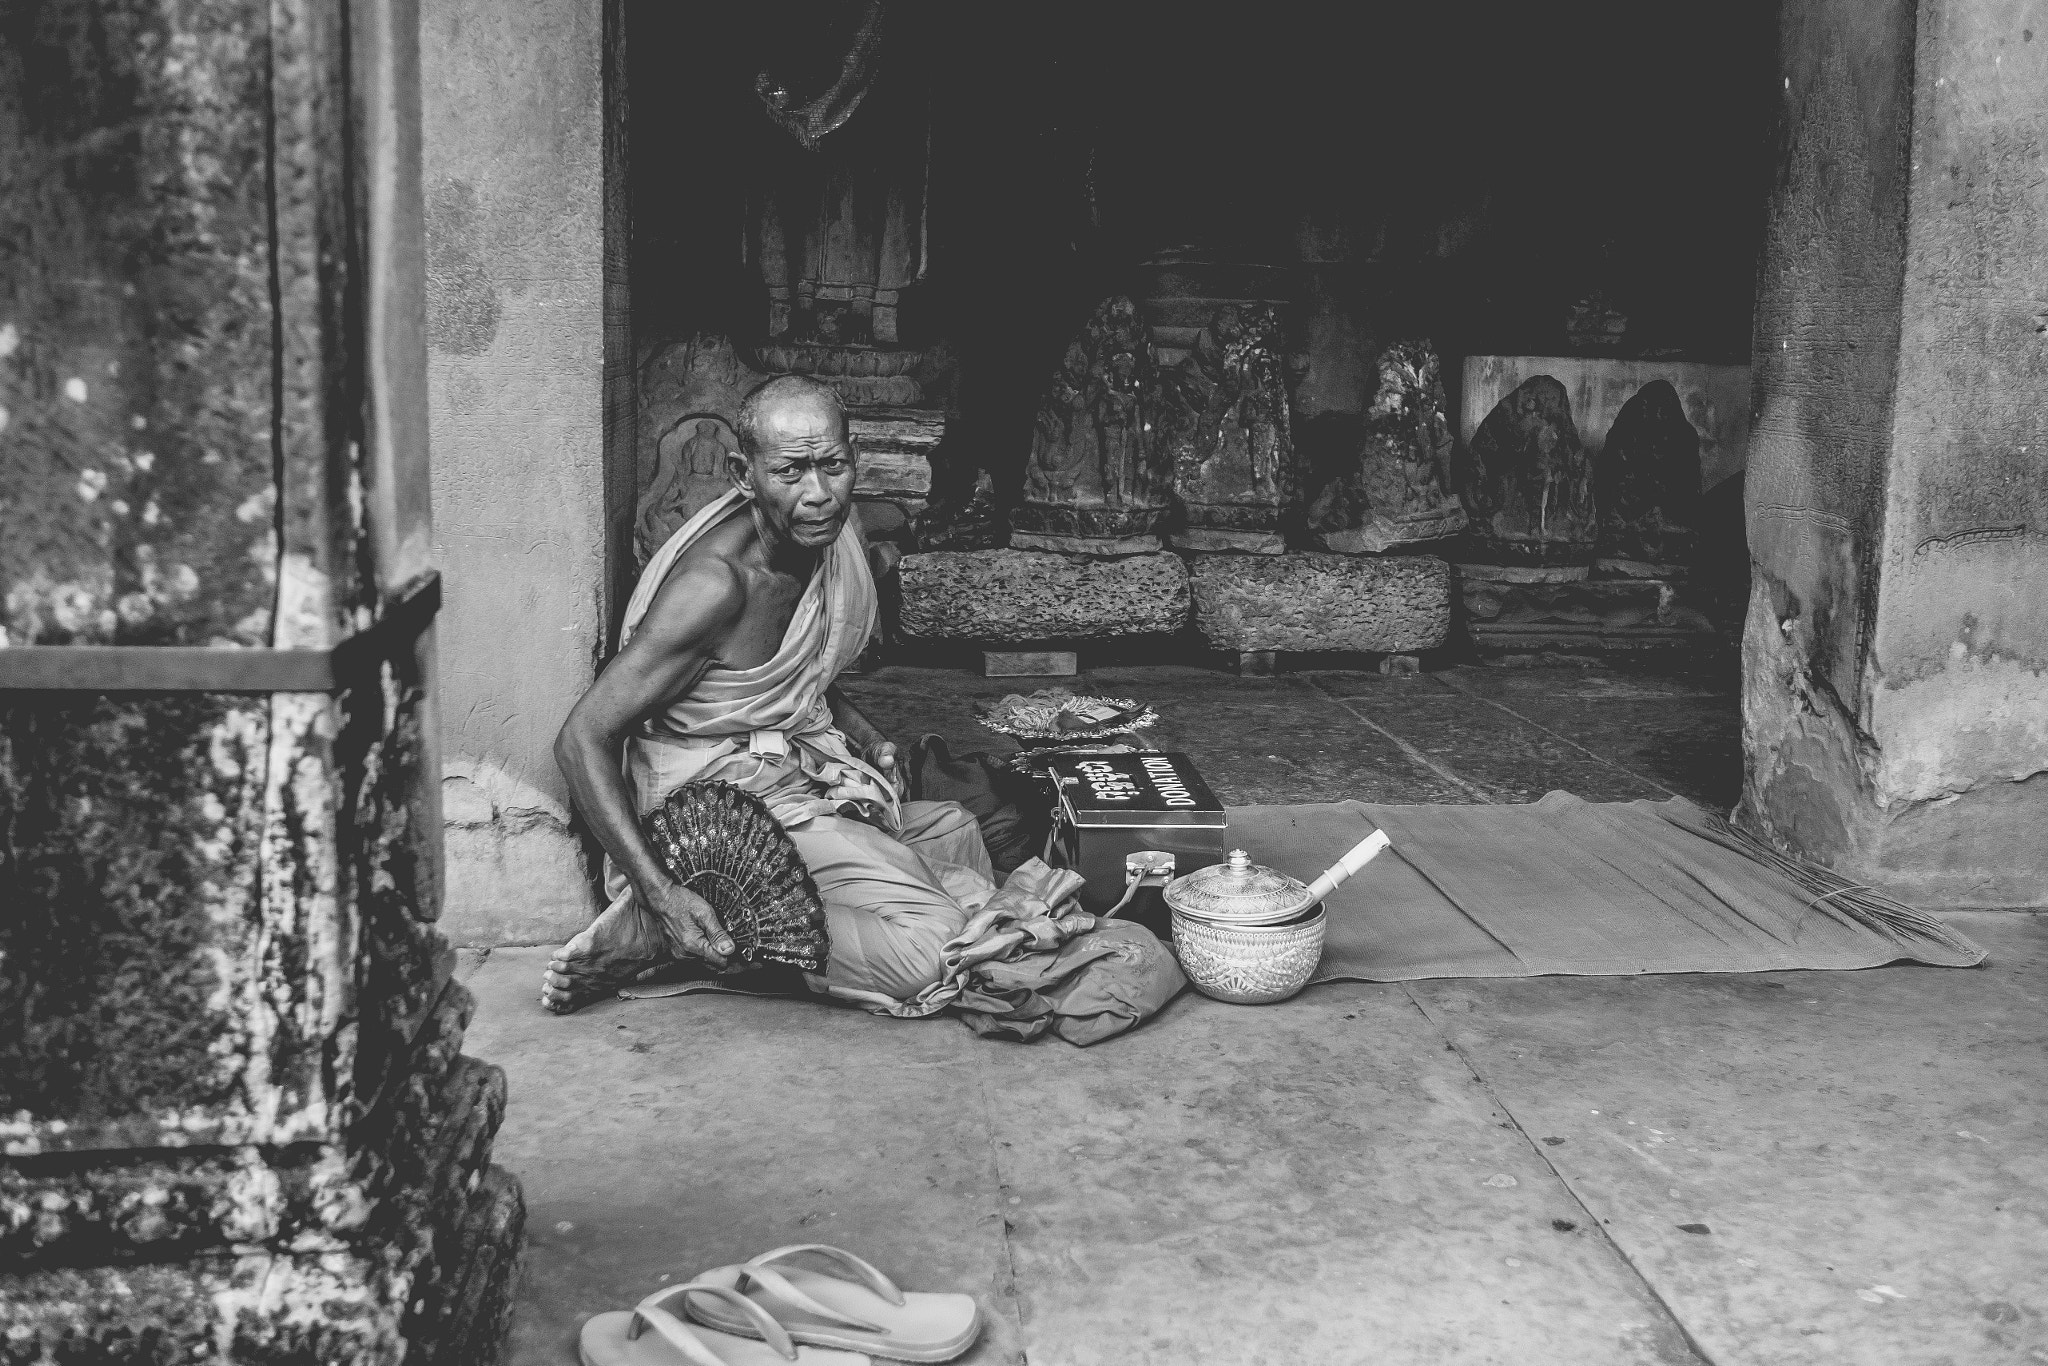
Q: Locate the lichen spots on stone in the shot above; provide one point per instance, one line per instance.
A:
(258, 506)
(117, 966)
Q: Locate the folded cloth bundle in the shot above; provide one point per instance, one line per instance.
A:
(1092, 987)
(1032, 962)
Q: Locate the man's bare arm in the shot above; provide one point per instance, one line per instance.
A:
(852, 720)
(675, 643)
(868, 741)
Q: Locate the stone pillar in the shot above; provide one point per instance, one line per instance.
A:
(1896, 654)
(237, 1124)
(520, 372)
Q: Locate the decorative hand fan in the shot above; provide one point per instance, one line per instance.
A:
(722, 844)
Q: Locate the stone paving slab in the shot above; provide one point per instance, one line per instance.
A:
(661, 1138)
(1509, 758)
(1318, 1181)
(1254, 739)
(1817, 1167)
(1321, 1180)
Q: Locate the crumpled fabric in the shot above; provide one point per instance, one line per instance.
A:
(1031, 962)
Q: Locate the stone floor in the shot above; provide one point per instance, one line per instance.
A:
(1772, 1169)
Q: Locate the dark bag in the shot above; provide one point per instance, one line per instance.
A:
(1013, 812)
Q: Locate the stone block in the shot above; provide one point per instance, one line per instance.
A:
(896, 446)
(1500, 609)
(1016, 596)
(1029, 664)
(1317, 601)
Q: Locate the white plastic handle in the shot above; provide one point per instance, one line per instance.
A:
(1362, 853)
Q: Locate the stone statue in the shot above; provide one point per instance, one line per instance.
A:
(690, 472)
(1094, 482)
(837, 229)
(1396, 491)
(1528, 485)
(1649, 480)
(1224, 428)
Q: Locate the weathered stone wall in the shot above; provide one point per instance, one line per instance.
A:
(513, 96)
(234, 1117)
(1894, 692)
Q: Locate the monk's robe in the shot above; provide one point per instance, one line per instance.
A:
(899, 879)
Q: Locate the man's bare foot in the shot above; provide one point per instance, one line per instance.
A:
(628, 938)
(613, 949)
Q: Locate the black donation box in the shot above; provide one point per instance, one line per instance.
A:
(1111, 805)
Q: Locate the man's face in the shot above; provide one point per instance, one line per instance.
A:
(802, 475)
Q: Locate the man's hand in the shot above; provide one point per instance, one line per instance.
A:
(688, 923)
(881, 756)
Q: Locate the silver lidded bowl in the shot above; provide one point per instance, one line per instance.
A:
(1245, 933)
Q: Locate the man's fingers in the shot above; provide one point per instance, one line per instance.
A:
(697, 926)
(714, 933)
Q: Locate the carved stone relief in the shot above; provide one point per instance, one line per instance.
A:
(1223, 425)
(1094, 482)
(1528, 484)
(1649, 480)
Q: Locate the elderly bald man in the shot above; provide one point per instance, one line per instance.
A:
(730, 646)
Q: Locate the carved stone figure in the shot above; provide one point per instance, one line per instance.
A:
(1648, 477)
(1224, 427)
(690, 471)
(690, 393)
(1528, 483)
(1397, 490)
(1094, 482)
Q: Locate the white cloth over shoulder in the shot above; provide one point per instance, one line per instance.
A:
(768, 728)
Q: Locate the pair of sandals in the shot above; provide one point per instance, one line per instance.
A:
(766, 1313)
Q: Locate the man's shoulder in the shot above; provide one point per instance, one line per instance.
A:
(705, 587)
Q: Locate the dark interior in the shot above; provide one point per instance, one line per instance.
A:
(1461, 171)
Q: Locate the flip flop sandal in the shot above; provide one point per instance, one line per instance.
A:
(866, 1315)
(621, 1339)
